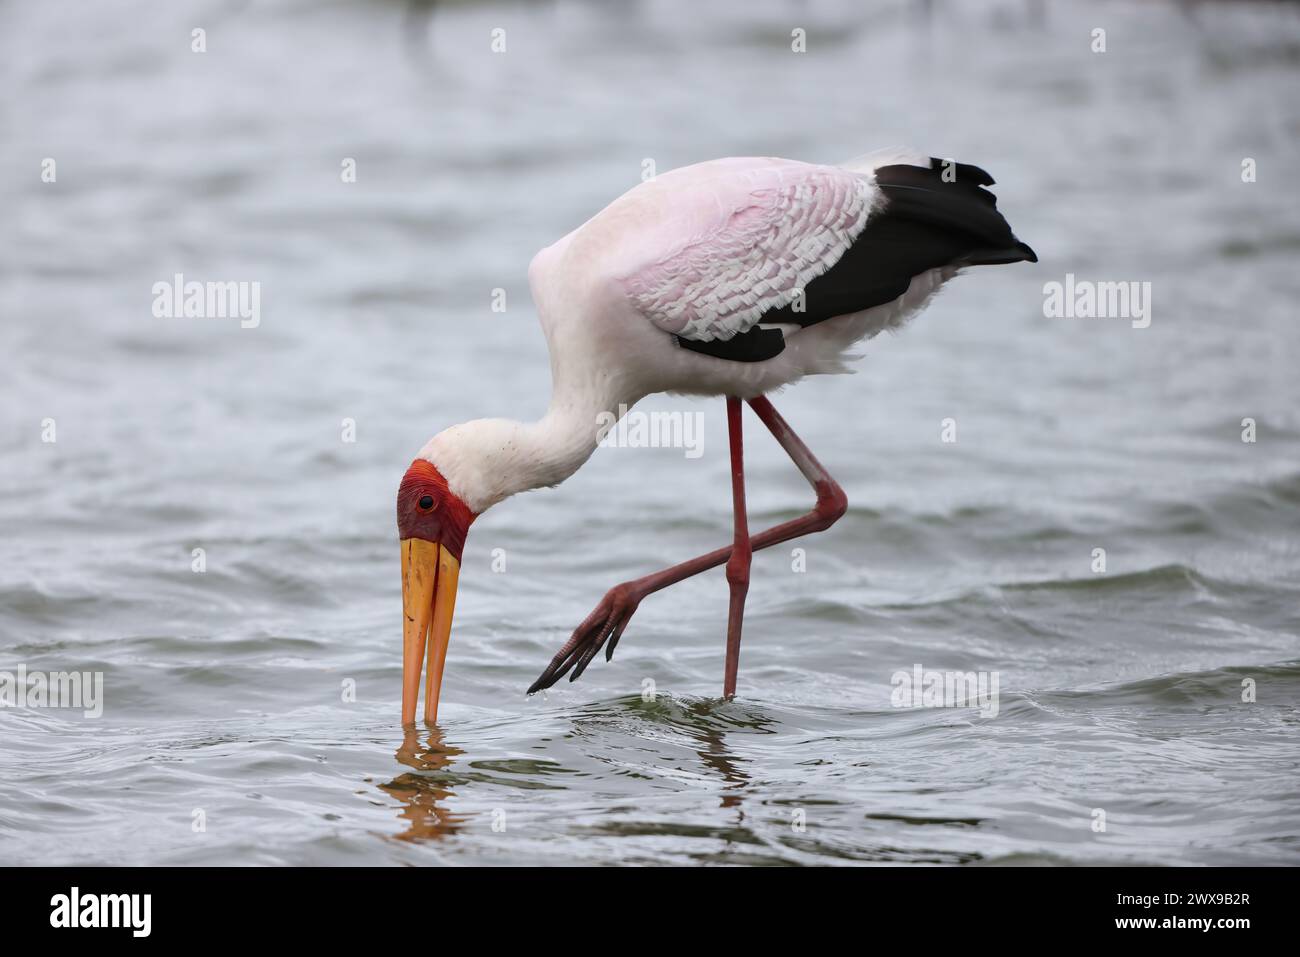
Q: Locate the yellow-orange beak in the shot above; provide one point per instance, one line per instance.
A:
(429, 577)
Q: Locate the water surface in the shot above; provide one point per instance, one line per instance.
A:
(228, 693)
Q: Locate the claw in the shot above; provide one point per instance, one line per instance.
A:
(585, 658)
(592, 646)
(547, 678)
(604, 624)
(553, 672)
(613, 639)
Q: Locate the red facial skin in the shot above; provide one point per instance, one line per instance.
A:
(446, 522)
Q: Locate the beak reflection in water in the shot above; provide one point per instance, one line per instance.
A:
(424, 790)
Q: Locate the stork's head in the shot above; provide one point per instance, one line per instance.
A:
(459, 474)
(432, 522)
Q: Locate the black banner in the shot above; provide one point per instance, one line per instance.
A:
(303, 906)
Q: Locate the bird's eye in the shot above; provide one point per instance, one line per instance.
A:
(426, 502)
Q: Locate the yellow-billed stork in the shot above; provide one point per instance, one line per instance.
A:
(729, 278)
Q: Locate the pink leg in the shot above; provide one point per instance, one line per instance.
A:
(741, 551)
(611, 616)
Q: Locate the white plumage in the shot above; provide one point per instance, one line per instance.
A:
(739, 238)
(700, 252)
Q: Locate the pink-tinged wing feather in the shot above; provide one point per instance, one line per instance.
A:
(738, 238)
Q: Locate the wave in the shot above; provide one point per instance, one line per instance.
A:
(1222, 686)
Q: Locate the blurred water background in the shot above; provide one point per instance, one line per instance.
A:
(1120, 690)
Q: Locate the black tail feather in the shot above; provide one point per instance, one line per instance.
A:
(935, 217)
(1019, 253)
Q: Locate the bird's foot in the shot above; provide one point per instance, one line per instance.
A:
(604, 624)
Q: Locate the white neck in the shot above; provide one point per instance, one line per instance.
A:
(487, 460)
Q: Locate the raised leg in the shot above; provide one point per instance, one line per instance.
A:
(741, 551)
(611, 616)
